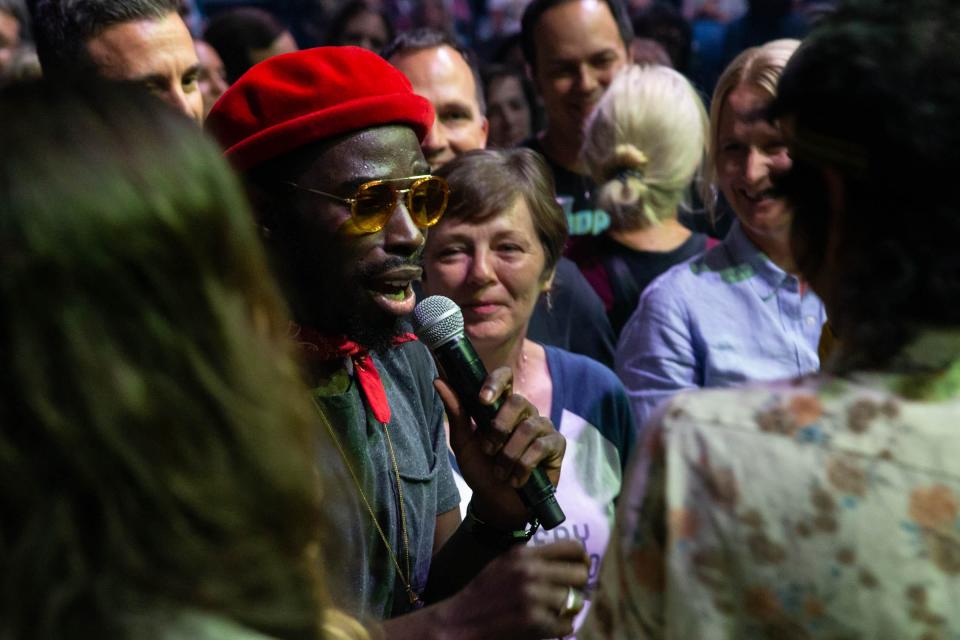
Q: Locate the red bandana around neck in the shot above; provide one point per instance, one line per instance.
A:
(319, 346)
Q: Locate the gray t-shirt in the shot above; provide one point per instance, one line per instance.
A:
(366, 571)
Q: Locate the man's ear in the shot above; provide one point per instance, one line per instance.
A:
(486, 131)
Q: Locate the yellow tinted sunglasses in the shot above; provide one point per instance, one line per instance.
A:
(375, 201)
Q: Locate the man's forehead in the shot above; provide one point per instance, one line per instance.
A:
(589, 13)
(133, 48)
(421, 65)
(442, 53)
(387, 151)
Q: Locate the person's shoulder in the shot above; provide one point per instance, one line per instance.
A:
(675, 281)
(594, 394)
(411, 360)
(570, 283)
(702, 269)
(805, 408)
(412, 348)
(582, 372)
(575, 361)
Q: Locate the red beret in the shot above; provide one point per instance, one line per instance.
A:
(291, 100)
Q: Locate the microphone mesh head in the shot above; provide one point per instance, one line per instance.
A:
(436, 320)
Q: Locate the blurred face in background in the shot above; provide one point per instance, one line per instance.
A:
(647, 51)
(442, 76)
(213, 76)
(283, 44)
(508, 112)
(367, 30)
(9, 38)
(750, 152)
(159, 54)
(578, 52)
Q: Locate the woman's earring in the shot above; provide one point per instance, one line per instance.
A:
(549, 301)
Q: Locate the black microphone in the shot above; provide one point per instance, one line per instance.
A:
(438, 324)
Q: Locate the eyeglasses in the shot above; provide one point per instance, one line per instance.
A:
(375, 201)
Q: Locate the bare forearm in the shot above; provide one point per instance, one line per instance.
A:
(456, 563)
(433, 622)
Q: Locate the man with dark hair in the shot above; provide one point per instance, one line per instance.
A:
(140, 41)
(329, 142)
(573, 49)
(446, 75)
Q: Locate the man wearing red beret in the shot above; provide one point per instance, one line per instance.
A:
(329, 142)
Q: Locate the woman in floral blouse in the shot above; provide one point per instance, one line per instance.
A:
(827, 507)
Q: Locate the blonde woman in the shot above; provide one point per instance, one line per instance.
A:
(644, 144)
(495, 253)
(740, 312)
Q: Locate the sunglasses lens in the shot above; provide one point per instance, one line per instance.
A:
(428, 201)
(373, 207)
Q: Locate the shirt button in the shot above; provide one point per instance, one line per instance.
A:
(811, 321)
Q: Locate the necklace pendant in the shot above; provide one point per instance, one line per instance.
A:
(415, 600)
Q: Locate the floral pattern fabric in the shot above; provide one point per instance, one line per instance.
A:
(820, 508)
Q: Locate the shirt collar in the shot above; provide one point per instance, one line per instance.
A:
(769, 277)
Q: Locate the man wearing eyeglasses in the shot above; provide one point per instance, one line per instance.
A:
(329, 143)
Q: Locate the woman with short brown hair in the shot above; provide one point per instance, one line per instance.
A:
(494, 253)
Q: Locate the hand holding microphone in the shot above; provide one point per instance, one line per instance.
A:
(508, 427)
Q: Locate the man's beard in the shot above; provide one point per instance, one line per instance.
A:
(356, 315)
(375, 331)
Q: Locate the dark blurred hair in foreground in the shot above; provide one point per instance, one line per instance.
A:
(155, 454)
(873, 98)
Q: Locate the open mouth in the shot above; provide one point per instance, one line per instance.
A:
(393, 291)
(759, 196)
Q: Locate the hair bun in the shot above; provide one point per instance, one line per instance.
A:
(627, 160)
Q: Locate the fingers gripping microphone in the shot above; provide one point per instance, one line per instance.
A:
(438, 324)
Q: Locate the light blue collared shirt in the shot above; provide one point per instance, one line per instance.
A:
(719, 320)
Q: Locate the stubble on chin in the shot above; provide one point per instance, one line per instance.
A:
(349, 309)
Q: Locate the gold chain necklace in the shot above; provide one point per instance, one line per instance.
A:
(415, 600)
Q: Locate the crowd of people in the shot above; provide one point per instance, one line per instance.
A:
(700, 248)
